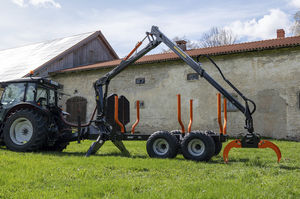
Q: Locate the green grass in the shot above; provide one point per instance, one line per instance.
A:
(250, 173)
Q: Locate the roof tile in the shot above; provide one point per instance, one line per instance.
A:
(219, 50)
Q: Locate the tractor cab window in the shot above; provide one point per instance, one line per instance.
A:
(30, 92)
(41, 96)
(52, 98)
(13, 93)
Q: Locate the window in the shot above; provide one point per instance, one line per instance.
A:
(52, 97)
(14, 93)
(140, 80)
(192, 76)
(41, 96)
(30, 92)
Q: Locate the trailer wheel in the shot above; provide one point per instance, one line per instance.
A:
(198, 146)
(178, 136)
(162, 144)
(25, 130)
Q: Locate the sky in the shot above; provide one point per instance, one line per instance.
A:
(124, 23)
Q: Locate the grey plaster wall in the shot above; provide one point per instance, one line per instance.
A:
(270, 78)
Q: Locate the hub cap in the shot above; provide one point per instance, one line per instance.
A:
(21, 131)
(196, 147)
(161, 146)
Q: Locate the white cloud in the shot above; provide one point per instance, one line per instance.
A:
(295, 3)
(19, 2)
(263, 28)
(37, 3)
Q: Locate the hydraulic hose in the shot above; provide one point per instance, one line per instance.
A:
(229, 83)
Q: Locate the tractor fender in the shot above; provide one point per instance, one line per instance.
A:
(25, 105)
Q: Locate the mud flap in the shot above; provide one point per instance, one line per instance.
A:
(119, 144)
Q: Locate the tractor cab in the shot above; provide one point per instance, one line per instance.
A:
(36, 90)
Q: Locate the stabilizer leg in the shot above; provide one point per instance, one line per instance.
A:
(95, 146)
(119, 144)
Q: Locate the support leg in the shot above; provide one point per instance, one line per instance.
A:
(119, 144)
(95, 146)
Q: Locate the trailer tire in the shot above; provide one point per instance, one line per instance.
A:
(162, 144)
(178, 136)
(25, 130)
(198, 146)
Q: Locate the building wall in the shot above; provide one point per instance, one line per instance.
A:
(92, 52)
(270, 78)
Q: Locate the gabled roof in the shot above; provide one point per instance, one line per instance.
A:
(219, 50)
(17, 62)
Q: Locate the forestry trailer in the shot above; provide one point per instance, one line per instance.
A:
(31, 120)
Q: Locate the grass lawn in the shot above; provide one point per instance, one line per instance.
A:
(250, 173)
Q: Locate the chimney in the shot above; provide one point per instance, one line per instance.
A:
(280, 33)
(181, 44)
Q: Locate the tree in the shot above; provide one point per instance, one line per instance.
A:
(296, 26)
(217, 37)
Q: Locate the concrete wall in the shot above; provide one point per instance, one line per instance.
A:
(270, 78)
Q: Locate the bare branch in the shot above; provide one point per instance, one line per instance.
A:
(217, 37)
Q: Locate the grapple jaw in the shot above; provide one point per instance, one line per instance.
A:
(233, 144)
(250, 141)
(271, 145)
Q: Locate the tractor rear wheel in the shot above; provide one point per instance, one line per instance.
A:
(162, 144)
(198, 146)
(25, 130)
(58, 146)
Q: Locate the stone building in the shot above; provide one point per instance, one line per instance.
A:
(266, 71)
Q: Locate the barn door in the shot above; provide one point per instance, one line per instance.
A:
(76, 106)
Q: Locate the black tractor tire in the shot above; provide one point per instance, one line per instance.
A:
(162, 144)
(25, 130)
(198, 146)
(218, 143)
(58, 146)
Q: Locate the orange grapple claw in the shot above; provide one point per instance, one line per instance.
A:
(271, 145)
(233, 144)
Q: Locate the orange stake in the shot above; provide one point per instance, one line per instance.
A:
(179, 113)
(117, 114)
(225, 116)
(219, 113)
(191, 116)
(137, 116)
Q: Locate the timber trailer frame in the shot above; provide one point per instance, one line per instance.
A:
(113, 115)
